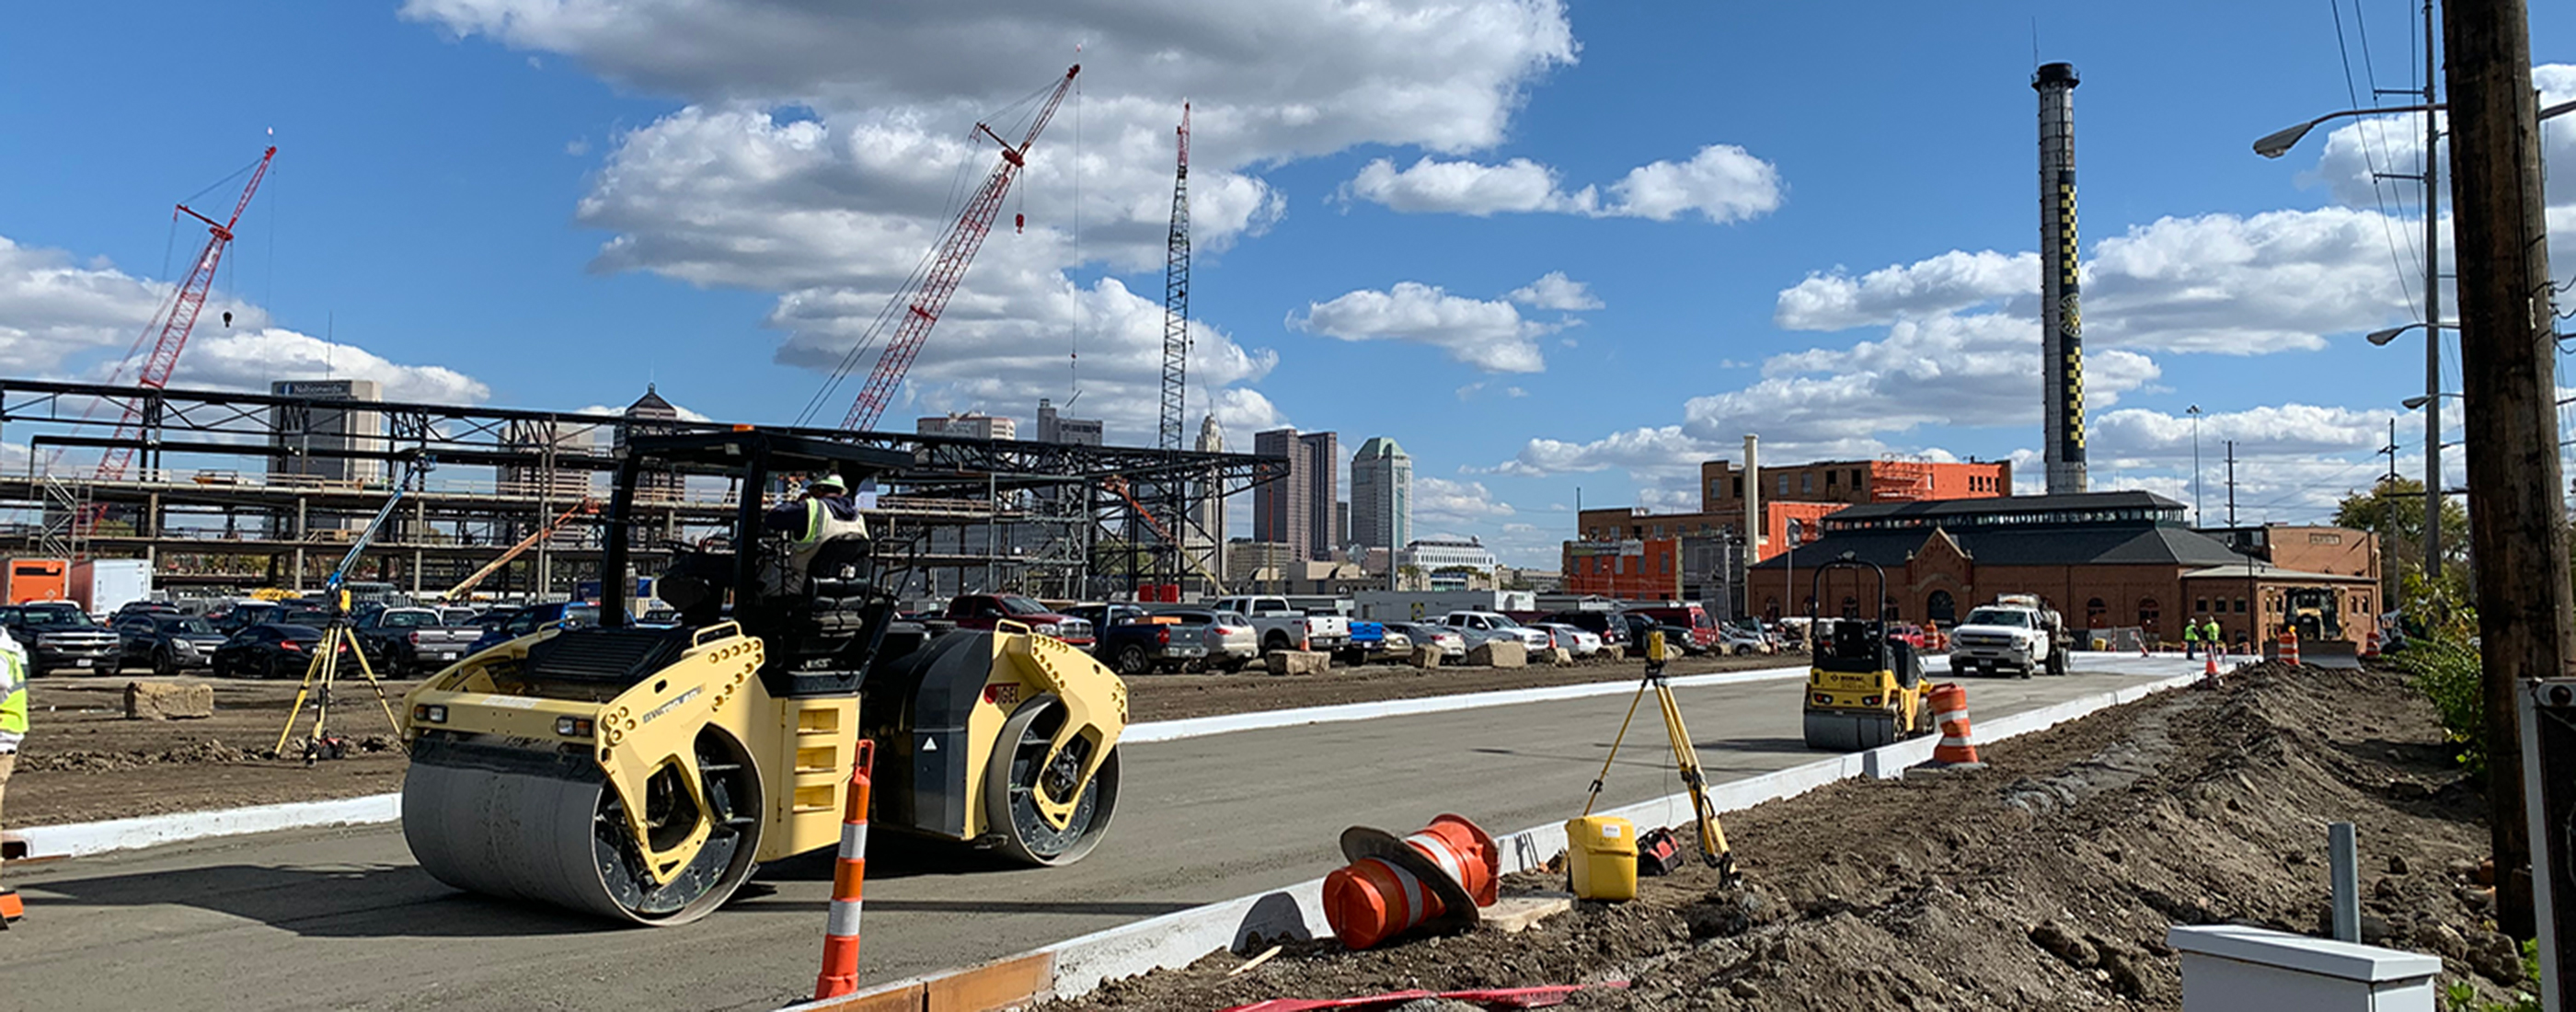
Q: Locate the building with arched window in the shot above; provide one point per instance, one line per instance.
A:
(2102, 559)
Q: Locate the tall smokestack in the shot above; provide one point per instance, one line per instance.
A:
(2061, 311)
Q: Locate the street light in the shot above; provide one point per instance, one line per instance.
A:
(2279, 142)
(2413, 403)
(2194, 412)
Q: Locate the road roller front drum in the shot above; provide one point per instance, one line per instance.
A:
(1019, 767)
(555, 832)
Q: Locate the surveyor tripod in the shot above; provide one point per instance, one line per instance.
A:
(1712, 837)
(319, 675)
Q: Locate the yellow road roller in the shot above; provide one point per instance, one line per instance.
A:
(1864, 689)
(640, 773)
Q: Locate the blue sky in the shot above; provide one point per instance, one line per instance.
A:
(1544, 246)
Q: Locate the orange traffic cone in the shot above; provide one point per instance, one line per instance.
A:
(1950, 707)
(2289, 648)
(2370, 646)
(1433, 879)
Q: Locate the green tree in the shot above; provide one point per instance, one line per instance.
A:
(2394, 510)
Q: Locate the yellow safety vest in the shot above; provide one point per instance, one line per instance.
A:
(13, 695)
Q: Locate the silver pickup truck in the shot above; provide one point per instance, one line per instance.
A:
(1282, 627)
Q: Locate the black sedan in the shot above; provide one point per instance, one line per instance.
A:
(169, 643)
(274, 651)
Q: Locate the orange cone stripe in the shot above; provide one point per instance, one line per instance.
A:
(1437, 849)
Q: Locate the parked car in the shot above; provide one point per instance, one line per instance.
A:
(132, 608)
(272, 650)
(1700, 630)
(313, 615)
(1576, 641)
(168, 643)
(1676, 638)
(406, 640)
(1497, 625)
(232, 618)
(1102, 615)
(988, 611)
(58, 635)
(536, 618)
(1452, 643)
(1283, 627)
(1145, 643)
(1740, 642)
(1603, 624)
(1231, 641)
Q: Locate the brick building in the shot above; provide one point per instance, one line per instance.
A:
(1856, 482)
(1628, 553)
(2103, 559)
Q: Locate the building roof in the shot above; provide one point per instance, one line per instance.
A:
(2082, 501)
(2121, 543)
(2266, 571)
(651, 405)
(1380, 446)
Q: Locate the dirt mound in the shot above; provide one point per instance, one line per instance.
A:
(2044, 882)
(86, 760)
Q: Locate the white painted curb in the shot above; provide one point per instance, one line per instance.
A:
(83, 838)
(1180, 938)
(80, 839)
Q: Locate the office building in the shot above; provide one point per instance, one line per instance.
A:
(1054, 427)
(968, 426)
(1299, 510)
(1381, 495)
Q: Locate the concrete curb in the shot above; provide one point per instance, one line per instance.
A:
(81, 839)
(1079, 965)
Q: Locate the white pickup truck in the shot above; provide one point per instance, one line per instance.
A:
(1281, 627)
(2016, 633)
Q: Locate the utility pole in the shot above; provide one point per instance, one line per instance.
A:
(2231, 486)
(2432, 320)
(2508, 369)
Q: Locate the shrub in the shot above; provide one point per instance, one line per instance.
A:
(2448, 671)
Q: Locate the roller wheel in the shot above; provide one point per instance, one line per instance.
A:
(531, 836)
(1019, 769)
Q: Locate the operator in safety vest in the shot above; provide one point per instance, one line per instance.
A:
(2191, 639)
(13, 704)
(824, 512)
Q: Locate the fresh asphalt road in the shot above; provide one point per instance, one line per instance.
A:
(333, 919)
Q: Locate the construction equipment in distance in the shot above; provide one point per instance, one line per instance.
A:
(640, 773)
(922, 303)
(175, 320)
(1864, 690)
(582, 508)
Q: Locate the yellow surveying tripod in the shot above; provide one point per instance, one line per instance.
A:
(1712, 837)
(337, 635)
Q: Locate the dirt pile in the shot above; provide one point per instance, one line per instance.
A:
(209, 750)
(2044, 882)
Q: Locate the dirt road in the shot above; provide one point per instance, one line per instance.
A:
(2045, 882)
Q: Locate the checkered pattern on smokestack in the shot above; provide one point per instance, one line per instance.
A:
(2061, 304)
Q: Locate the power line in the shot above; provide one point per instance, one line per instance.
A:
(2353, 92)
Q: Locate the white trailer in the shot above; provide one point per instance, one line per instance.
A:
(104, 585)
(1430, 605)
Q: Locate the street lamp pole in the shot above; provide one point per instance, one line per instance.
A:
(2432, 326)
(2195, 465)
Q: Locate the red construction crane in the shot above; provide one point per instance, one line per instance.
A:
(175, 321)
(924, 300)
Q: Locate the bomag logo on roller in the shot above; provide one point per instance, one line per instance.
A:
(1833, 680)
(657, 712)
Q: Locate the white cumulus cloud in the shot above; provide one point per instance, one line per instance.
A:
(1489, 334)
(1722, 183)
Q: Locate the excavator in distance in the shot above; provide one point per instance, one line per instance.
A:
(641, 773)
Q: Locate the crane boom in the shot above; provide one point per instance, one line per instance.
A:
(925, 301)
(1176, 299)
(494, 566)
(177, 320)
